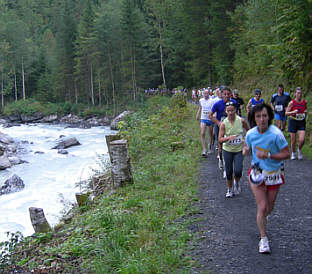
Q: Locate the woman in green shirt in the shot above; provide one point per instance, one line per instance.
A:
(231, 135)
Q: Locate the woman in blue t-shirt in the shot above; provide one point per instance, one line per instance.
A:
(269, 147)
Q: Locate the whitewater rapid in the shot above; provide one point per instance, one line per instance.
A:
(50, 178)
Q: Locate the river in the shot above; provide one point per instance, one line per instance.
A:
(50, 178)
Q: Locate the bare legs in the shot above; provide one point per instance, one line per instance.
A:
(203, 127)
(265, 203)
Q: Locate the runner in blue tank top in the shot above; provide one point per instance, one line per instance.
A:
(254, 100)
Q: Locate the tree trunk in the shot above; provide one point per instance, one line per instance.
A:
(15, 86)
(76, 93)
(91, 84)
(23, 79)
(133, 66)
(99, 94)
(2, 90)
(161, 56)
(112, 78)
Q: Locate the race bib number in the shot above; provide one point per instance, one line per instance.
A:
(237, 141)
(300, 116)
(272, 178)
(205, 114)
(279, 107)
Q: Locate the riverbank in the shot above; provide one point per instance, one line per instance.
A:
(140, 227)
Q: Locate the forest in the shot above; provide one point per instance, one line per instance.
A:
(97, 52)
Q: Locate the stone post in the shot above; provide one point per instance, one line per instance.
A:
(121, 168)
(82, 198)
(38, 220)
(109, 139)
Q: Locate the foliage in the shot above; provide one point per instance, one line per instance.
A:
(139, 228)
(7, 247)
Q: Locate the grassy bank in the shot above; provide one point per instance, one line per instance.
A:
(140, 228)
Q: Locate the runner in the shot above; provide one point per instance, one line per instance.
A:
(240, 102)
(219, 109)
(194, 95)
(269, 147)
(205, 105)
(231, 135)
(279, 102)
(297, 109)
(254, 100)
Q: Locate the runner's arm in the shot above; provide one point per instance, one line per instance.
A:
(248, 105)
(282, 155)
(245, 125)
(246, 149)
(198, 112)
(223, 139)
(271, 103)
(288, 112)
(213, 119)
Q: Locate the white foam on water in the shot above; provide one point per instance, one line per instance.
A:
(50, 177)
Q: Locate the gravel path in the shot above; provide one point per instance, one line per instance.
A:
(226, 227)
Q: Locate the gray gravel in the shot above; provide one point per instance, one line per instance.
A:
(227, 235)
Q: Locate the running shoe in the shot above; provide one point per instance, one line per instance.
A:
(209, 149)
(264, 246)
(293, 156)
(300, 156)
(220, 164)
(204, 153)
(229, 193)
(237, 188)
(224, 174)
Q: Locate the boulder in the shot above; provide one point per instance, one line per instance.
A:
(13, 184)
(31, 118)
(6, 139)
(71, 119)
(66, 143)
(49, 119)
(14, 118)
(4, 162)
(120, 117)
(14, 160)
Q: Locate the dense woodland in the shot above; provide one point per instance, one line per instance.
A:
(96, 52)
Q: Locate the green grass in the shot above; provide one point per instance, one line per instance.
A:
(142, 228)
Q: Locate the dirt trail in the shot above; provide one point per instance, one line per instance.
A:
(227, 232)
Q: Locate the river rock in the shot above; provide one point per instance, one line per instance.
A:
(13, 184)
(14, 160)
(31, 118)
(71, 119)
(14, 118)
(4, 162)
(62, 151)
(66, 143)
(49, 119)
(120, 117)
(6, 139)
